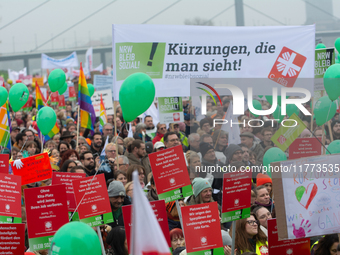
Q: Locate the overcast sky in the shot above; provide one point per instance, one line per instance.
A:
(56, 16)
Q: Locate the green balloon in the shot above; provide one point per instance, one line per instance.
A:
(260, 96)
(292, 108)
(18, 96)
(91, 89)
(273, 155)
(46, 119)
(56, 79)
(257, 105)
(75, 238)
(337, 44)
(331, 80)
(333, 147)
(136, 95)
(320, 46)
(277, 114)
(324, 110)
(63, 89)
(3, 96)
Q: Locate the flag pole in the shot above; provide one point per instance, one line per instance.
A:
(78, 126)
(115, 132)
(101, 240)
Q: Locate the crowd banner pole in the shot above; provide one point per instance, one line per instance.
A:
(101, 240)
(78, 126)
(115, 136)
(179, 213)
(330, 130)
(233, 238)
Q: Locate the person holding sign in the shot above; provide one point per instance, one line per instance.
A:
(202, 192)
(249, 237)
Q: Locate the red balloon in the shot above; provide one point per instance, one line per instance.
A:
(18, 81)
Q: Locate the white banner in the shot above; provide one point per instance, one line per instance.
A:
(107, 99)
(14, 75)
(172, 55)
(51, 63)
(88, 65)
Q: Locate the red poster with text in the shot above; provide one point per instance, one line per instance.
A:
(71, 93)
(304, 147)
(10, 198)
(46, 212)
(202, 228)
(158, 208)
(62, 102)
(94, 208)
(67, 178)
(295, 246)
(4, 163)
(171, 174)
(12, 239)
(55, 98)
(236, 196)
(33, 169)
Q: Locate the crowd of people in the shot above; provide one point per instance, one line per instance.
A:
(74, 150)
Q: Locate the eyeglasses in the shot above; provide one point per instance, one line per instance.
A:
(252, 222)
(111, 151)
(80, 144)
(163, 128)
(108, 130)
(173, 140)
(89, 159)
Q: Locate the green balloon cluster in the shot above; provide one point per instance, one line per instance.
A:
(91, 89)
(333, 147)
(257, 105)
(331, 80)
(56, 79)
(320, 46)
(3, 96)
(18, 96)
(273, 155)
(324, 110)
(75, 238)
(63, 89)
(136, 95)
(46, 119)
(337, 44)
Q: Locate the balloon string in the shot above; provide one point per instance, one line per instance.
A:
(85, 192)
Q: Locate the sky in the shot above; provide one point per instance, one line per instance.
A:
(55, 16)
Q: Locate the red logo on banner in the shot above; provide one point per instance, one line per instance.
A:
(287, 67)
(177, 116)
(281, 139)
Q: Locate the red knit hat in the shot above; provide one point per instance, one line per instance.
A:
(262, 179)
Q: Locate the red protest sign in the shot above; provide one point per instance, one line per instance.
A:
(71, 93)
(4, 165)
(202, 228)
(67, 178)
(62, 102)
(170, 173)
(93, 200)
(294, 246)
(12, 239)
(304, 147)
(236, 196)
(158, 208)
(46, 212)
(33, 169)
(10, 198)
(55, 98)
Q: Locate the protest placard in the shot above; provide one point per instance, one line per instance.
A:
(33, 169)
(284, 136)
(12, 239)
(10, 198)
(324, 58)
(158, 208)
(55, 98)
(151, 49)
(4, 163)
(307, 196)
(170, 109)
(103, 82)
(93, 201)
(67, 178)
(170, 173)
(285, 247)
(71, 93)
(202, 228)
(304, 147)
(62, 102)
(236, 196)
(39, 80)
(107, 99)
(46, 212)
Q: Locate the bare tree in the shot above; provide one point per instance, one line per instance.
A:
(198, 22)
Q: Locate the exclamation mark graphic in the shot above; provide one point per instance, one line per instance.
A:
(153, 50)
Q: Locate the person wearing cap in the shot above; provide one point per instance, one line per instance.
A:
(117, 195)
(190, 125)
(265, 180)
(161, 130)
(202, 192)
(336, 129)
(234, 153)
(209, 161)
(148, 147)
(68, 137)
(158, 146)
(247, 139)
(205, 125)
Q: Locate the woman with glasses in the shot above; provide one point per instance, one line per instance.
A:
(249, 237)
(263, 215)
